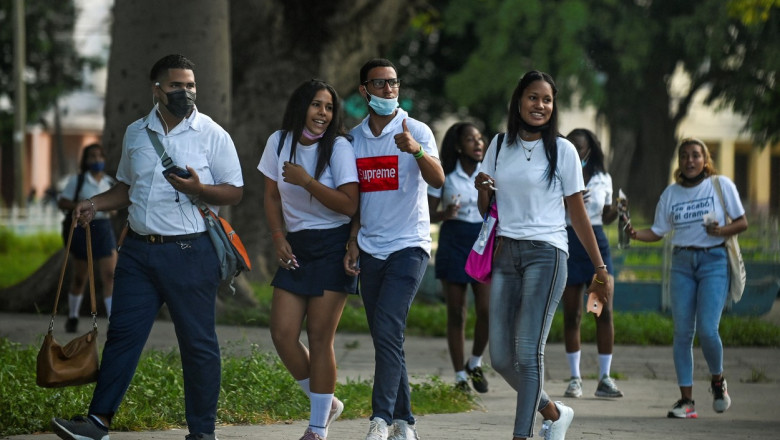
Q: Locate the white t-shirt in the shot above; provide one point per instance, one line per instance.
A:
(300, 209)
(682, 209)
(198, 142)
(459, 186)
(600, 195)
(529, 209)
(89, 188)
(393, 194)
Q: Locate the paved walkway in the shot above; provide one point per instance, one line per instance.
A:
(647, 382)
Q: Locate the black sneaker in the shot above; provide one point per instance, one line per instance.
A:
(72, 325)
(201, 436)
(463, 386)
(78, 428)
(478, 380)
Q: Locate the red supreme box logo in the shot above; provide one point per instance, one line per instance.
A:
(378, 173)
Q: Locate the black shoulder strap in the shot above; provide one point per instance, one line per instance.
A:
(499, 142)
(79, 185)
(158, 146)
(279, 147)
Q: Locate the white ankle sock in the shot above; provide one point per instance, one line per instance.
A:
(605, 363)
(74, 304)
(460, 376)
(574, 363)
(320, 408)
(304, 383)
(474, 362)
(107, 301)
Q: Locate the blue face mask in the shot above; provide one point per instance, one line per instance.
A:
(97, 167)
(382, 106)
(584, 162)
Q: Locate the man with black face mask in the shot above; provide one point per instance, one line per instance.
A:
(167, 257)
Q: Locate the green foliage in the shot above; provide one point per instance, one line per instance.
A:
(53, 66)
(256, 389)
(20, 256)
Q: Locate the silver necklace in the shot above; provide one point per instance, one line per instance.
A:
(528, 152)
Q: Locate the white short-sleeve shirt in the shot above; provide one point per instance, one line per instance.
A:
(682, 209)
(300, 209)
(459, 188)
(529, 208)
(89, 188)
(393, 194)
(196, 141)
(599, 195)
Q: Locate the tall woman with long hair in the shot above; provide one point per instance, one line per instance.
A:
(532, 174)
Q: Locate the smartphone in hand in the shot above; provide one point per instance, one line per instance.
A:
(181, 172)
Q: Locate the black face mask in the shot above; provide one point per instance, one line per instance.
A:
(532, 128)
(180, 102)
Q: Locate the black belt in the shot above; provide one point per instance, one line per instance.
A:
(160, 239)
(697, 248)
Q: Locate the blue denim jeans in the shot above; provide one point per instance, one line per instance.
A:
(699, 284)
(185, 276)
(388, 288)
(528, 281)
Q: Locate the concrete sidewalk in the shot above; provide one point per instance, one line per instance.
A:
(647, 380)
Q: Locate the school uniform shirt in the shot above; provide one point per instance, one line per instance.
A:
(459, 186)
(682, 209)
(196, 141)
(529, 208)
(89, 188)
(600, 195)
(300, 209)
(393, 194)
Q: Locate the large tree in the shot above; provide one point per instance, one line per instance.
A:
(53, 68)
(619, 56)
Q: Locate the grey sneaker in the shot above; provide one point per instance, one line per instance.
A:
(607, 388)
(720, 394)
(201, 436)
(377, 429)
(78, 428)
(401, 430)
(557, 430)
(575, 388)
(683, 409)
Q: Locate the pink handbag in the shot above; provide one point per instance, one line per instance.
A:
(479, 263)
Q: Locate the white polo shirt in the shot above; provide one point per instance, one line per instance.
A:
(89, 188)
(459, 186)
(198, 142)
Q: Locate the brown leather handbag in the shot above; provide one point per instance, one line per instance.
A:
(75, 363)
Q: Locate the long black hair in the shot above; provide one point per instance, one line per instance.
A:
(295, 120)
(449, 146)
(595, 163)
(549, 130)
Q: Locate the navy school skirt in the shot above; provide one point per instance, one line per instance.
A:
(320, 255)
(103, 240)
(456, 238)
(581, 269)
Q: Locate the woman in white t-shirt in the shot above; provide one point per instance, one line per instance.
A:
(311, 190)
(531, 175)
(461, 154)
(700, 274)
(91, 181)
(601, 211)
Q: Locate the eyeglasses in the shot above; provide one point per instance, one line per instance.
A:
(380, 83)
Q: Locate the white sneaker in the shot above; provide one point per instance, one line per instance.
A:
(377, 429)
(401, 430)
(721, 400)
(575, 388)
(557, 430)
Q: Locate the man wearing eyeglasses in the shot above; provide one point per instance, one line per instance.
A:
(390, 243)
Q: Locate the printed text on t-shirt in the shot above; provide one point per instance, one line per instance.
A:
(692, 211)
(379, 173)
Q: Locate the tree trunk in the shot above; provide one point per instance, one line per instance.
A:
(277, 45)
